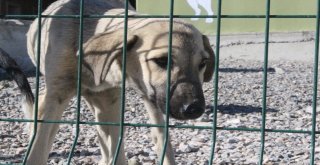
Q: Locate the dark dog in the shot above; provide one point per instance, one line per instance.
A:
(15, 72)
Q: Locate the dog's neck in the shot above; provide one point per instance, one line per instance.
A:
(112, 80)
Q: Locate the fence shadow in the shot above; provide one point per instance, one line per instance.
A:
(245, 70)
(11, 158)
(19, 157)
(236, 109)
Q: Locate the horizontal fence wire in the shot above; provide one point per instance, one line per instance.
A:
(246, 129)
(155, 16)
(313, 132)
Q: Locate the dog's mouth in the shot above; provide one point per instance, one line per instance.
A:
(186, 101)
(189, 112)
(182, 111)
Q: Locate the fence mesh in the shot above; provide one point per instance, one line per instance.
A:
(219, 16)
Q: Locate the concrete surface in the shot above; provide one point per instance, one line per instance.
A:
(293, 46)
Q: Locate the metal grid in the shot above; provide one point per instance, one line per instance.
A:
(166, 126)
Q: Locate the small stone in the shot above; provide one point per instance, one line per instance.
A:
(132, 109)
(54, 161)
(184, 148)
(206, 124)
(200, 138)
(4, 146)
(153, 157)
(87, 160)
(148, 163)
(251, 161)
(129, 155)
(294, 116)
(233, 121)
(309, 109)
(63, 152)
(231, 147)
(20, 151)
(195, 143)
(233, 141)
(205, 118)
(14, 145)
(279, 70)
(317, 149)
(84, 153)
(194, 148)
(145, 153)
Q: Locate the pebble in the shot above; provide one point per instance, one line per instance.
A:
(233, 140)
(201, 138)
(279, 70)
(205, 118)
(4, 146)
(54, 161)
(20, 151)
(134, 161)
(183, 148)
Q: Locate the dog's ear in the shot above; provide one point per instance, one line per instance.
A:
(210, 63)
(101, 50)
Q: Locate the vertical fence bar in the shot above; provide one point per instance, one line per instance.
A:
(315, 87)
(36, 99)
(123, 84)
(80, 57)
(265, 81)
(216, 83)
(168, 85)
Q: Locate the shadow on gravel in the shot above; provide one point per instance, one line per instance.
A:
(245, 70)
(17, 158)
(11, 159)
(75, 154)
(237, 109)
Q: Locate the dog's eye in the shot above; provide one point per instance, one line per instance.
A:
(162, 62)
(203, 64)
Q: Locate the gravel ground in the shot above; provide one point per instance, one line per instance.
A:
(289, 99)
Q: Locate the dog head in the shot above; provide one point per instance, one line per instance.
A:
(192, 63)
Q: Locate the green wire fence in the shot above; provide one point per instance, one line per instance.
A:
(166, 125)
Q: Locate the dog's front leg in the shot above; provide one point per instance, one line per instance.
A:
(105, 106)
(157, 133)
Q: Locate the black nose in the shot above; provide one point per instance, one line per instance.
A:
(194, 110)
